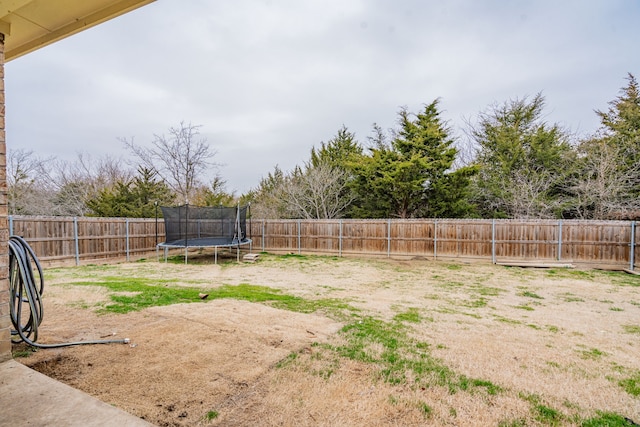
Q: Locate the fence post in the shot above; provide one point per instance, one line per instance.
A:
(389, 238)
(493, 240)
(340, 239)
(75, 238)
(632, 254)
(262, 235)
(435, 239)
(126, 224)
(10, 225)
(299, 248)
(559, 240)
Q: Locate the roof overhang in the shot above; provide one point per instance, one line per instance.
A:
(31, 24)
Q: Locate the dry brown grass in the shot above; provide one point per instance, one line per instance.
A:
(556, 339)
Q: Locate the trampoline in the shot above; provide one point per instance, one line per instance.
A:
(198, 227)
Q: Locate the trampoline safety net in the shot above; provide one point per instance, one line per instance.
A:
(205, 226)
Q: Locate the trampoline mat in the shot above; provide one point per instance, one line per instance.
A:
(205, 242)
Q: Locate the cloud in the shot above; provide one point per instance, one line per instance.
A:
(267, 80)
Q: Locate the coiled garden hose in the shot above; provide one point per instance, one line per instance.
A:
(25, 287)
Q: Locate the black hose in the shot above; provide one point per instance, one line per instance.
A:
(25, 287)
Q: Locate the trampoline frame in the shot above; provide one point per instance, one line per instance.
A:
(204, 242)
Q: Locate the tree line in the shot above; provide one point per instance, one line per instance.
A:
(512, 163)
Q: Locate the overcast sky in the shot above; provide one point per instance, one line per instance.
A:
(268, 80)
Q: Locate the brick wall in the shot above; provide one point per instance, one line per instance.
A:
(5, 321)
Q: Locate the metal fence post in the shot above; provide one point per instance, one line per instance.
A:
(493, 241)
(10, 225)
(75, 238)
(340, 240)
(435, 239)
(126, 224)
(262, 235)
(389, 238)
(559, 240)
(632, 251)
(299, 247)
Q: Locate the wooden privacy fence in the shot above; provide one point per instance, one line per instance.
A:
(603, 244)
(77, 239)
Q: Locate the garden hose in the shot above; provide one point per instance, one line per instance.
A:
(26, 288)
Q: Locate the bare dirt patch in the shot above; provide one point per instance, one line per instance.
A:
(559, 339)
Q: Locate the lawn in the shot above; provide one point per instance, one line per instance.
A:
(310, 340)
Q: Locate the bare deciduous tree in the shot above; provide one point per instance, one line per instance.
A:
(28, 183)
(180, 158)
(604, 190)
(78, 181)
(317, 193)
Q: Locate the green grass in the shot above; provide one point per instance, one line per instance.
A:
(547, 415)
(632, 384)
(411, 315)
(606, 419)
(530, 294)
(631, 329)
(212, 415)
(592, 354)
(401, 359)
(144, 293)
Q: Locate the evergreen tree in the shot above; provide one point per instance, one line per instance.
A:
(523, 162)
(135, 198)
(412, 175)
(214, 195)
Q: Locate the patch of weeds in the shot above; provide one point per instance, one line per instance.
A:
(606, 301)
(448, 285)
(616, 309)
(454, 267)
(506, 320)
(607, 419)
(552, 328)
(524, 307)
(631, 385)
(568, 297)
(411, 315)
(477, 303)
(425, 409)
(491, 388)
(487, 291)
(211, 415)
(401, 359)
(546, 415)
(592, 354)
(553, 364)
(533, 326)
(541, 412)
(636, 303)
(287, 360)
(519, 422)
(23, 350)
(623, 279)
(570, 273)
(530, 294)
(631, 329)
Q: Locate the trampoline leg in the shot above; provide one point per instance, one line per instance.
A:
(165, 254)
(186, 254)
(215, 257)
(238, 252)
